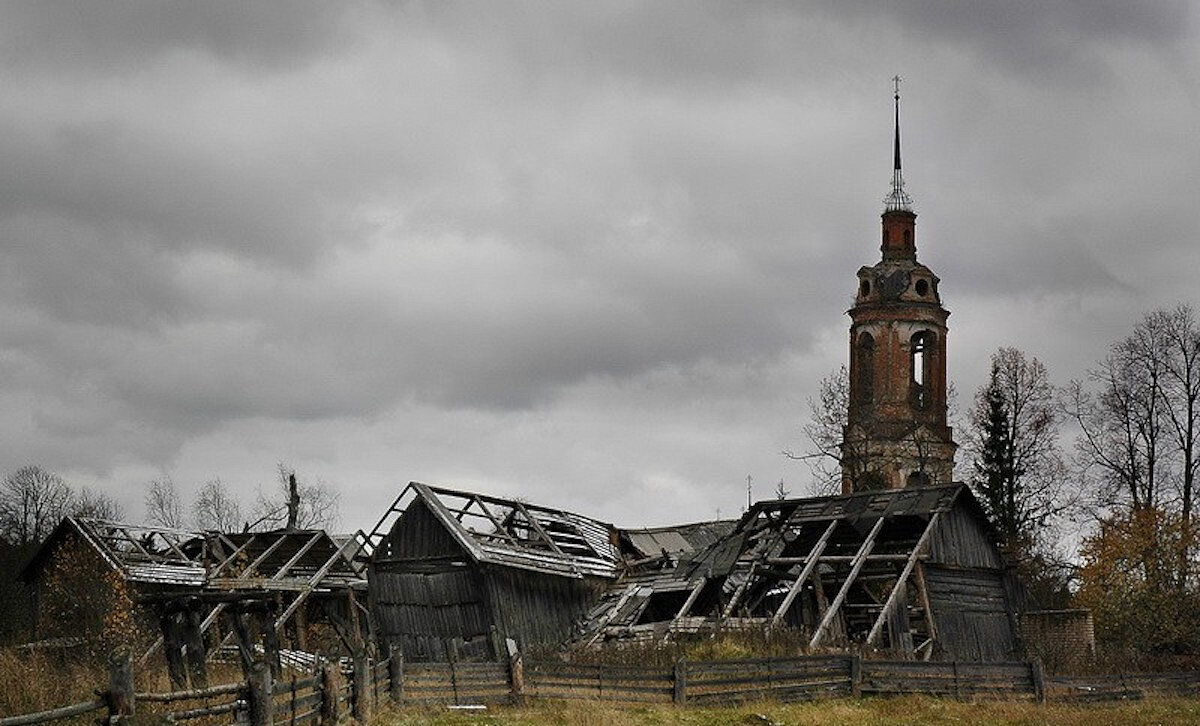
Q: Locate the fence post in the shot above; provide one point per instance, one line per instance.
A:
(680, 696)
(259, 703)
(957, 690)
(120, 685)
(360, 705)
(396, 673)
(856, 675)
(330, 685)
(516, 675)
(1038, 676)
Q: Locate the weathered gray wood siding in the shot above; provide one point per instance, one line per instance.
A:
(534, 608)
(960, 539)
(425, 592)
(972, 608)
(971, 613)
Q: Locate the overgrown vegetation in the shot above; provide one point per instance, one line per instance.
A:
(905, 710)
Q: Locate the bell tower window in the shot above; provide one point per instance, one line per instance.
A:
(865, 369)
(921, 354)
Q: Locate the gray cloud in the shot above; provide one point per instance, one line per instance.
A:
(125, 36)
(574, 248)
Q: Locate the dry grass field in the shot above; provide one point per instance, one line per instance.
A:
(865, 712)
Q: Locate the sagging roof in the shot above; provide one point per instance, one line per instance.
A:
(295, 559)
(276, 560)
(678, 539)
(509, 532)
(755, 572)
(150, 555)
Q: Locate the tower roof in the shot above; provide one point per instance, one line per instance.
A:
(897, 200)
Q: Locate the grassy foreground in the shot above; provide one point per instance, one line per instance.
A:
(866, 712)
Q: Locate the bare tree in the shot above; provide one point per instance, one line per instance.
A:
(163, 506)
(826, 426)
(96, 505)
(215, 508)
(1013, 445)
(1180, 387)
(32, 501)
(1121, 425)
(297, 504)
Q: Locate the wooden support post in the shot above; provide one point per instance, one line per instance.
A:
(120, 686)
(1037, 674)
(241, 626)
(516, 675)
(396, 673)
(957, 689)
(259, 704)
(859, 558)
(896, 598)
(856, 675)
(680, 694)
(331, 682)
(923, 598)
(169, 624)
(360, 703)
(810, 563)
(270, 640)
(193, 638)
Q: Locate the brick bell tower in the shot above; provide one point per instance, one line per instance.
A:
(896, 433)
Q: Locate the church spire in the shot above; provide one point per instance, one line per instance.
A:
(897, 200)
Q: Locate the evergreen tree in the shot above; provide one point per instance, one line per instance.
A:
(997, 475)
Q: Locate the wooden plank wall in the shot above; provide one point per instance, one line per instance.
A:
(970, 607)
(1012, 681)
(784, 679)
(549, 679)
(456, 683)
(535, 608)
(1121, 686)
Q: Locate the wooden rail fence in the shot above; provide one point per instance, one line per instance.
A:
(359, 687)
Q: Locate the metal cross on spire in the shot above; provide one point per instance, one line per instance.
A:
(897, 199)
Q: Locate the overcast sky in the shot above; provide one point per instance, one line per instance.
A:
(596, 255)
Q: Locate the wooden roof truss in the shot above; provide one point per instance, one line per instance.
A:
(840, 569)
(511, 532)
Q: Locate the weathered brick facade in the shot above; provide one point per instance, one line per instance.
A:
(896, 433)
(1062, 639)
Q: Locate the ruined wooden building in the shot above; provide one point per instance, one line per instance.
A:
(457, 573)
(196, 589)
(915, 571)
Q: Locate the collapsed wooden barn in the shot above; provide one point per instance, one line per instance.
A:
(916, 571)
(456, 574)
(179, 584)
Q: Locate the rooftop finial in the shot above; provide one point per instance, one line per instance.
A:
(896, 80)
(897, 199)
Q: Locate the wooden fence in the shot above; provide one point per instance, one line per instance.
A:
(359, 687)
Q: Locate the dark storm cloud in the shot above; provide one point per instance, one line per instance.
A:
(542, 241)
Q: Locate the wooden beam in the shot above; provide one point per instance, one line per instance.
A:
(612, 612)
(270, 550)
(923, 596)
(691, 599)
(313, 582)
(860, 558)
(737, 593)
(538, 528)
(499, 527)
(299, 553)
(892, 599)
(809, 563)
(237, 551)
